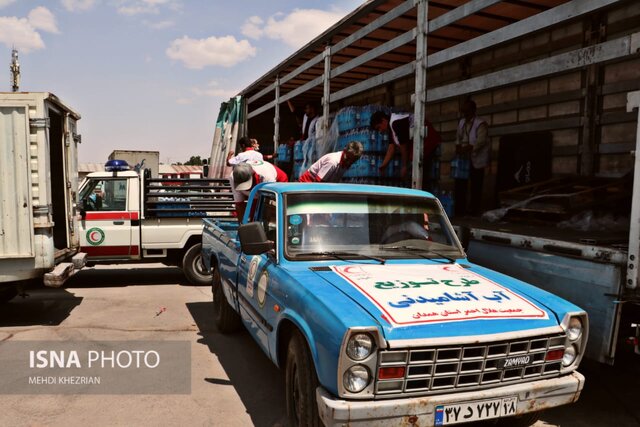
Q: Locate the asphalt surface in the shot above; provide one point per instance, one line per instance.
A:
(232, 381)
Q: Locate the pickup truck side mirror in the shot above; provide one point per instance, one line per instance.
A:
(253, 239)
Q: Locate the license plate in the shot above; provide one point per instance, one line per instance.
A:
(475, 411)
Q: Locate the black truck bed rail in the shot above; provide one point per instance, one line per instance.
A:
(188, 198)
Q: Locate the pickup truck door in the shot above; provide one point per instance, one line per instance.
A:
(258, 274)
(109, 230)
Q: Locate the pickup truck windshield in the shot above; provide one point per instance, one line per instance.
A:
(367, 225)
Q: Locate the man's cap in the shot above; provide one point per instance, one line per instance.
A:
(242, 177)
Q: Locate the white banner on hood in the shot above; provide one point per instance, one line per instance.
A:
(413, 294)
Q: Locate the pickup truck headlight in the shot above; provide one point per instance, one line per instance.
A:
(574, 330)
(360, 346)
(570, 354)
(356, 378)
(358, 362)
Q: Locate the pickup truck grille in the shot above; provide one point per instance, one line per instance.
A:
(443, 369)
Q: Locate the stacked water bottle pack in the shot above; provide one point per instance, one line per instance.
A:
(460, 168)
(447, 200)
(354, 125)
(284, 153)
(298, 158)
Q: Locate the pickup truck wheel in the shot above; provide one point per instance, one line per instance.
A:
(301, 383)
(193, 267)
(227, 320)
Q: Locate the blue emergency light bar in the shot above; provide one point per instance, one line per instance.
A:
(116, 166)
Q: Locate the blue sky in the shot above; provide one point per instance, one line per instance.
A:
(151, 74)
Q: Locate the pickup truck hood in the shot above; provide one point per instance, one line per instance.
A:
(418, 301)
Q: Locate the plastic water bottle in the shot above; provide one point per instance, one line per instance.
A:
(384, 143)
(372, 165)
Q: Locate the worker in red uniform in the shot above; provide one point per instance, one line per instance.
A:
(331, 167)
(247, 175)
(399, 128)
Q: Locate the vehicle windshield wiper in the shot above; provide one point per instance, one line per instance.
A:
(341, 255)
(417, 249)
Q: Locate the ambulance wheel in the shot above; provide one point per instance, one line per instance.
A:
(301, 383)
(193, 267)
(227, 320)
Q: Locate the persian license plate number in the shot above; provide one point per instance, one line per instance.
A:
(475, 411)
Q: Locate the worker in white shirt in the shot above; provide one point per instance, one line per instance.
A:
(247, 175)
(331, 167)
(249, 152)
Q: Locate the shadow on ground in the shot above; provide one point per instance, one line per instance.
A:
(135, 276)
(609, 397)
(48, 307)
(258, 382)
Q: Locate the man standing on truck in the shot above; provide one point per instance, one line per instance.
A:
(309, 120)
(331, 167)
(399, 128)
(247, 175)
(473, 148)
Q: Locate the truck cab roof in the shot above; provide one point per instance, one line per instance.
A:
(296, 187)
(120, 174)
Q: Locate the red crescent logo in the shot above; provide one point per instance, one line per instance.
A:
(94, 236)
(347, 270)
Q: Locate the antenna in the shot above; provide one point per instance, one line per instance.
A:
(15, 70)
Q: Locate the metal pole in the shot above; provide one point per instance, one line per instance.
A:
(419, 129)
(595, 30)
(326, 96)
(633, 102)
(276, 120)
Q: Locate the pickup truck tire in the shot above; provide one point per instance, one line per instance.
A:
(301, 383)
(227, 320)
(193, 267)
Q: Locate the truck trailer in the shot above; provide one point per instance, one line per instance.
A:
(558, 80)
(38, 190)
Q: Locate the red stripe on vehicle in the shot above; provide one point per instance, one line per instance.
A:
(106, 216)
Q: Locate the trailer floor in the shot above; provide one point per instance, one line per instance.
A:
(604, 237)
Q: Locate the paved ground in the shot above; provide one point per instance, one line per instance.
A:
(233, 383)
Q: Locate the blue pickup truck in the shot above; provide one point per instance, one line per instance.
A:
(364, 297)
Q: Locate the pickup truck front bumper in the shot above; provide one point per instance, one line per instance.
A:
(532, 396)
